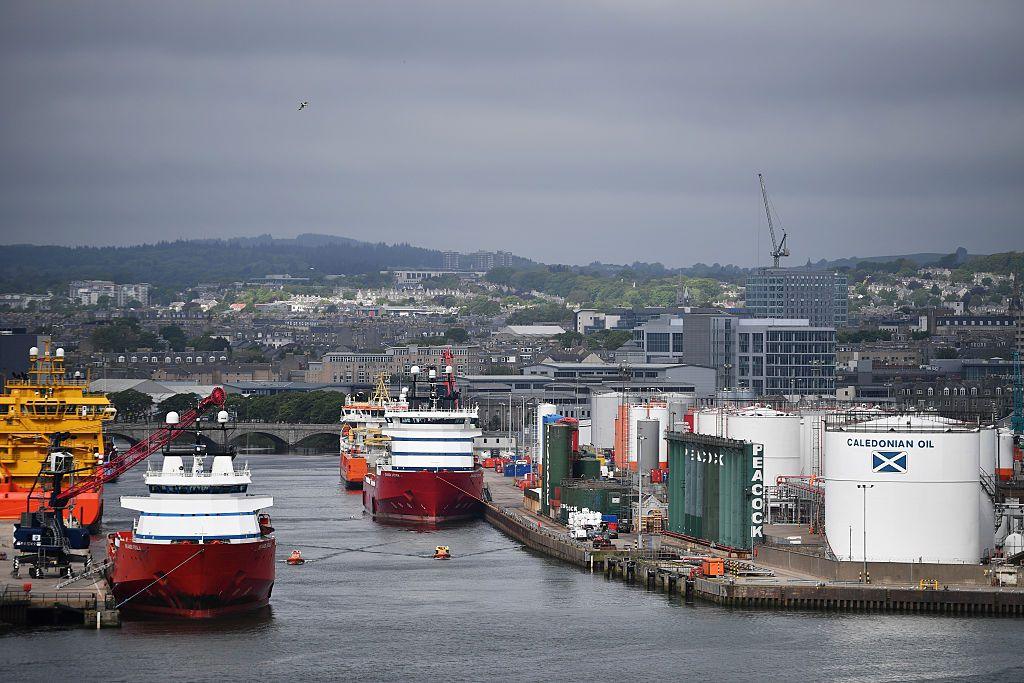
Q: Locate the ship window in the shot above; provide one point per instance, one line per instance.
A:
(188, 488)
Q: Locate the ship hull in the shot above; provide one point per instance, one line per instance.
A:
(87, 508)
(424, 496)
(353, 470)
(199, 581)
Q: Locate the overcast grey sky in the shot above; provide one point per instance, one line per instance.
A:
(562, 131)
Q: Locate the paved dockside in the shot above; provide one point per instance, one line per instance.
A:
(776, 589)
(85, 602)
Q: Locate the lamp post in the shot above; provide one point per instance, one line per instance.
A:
(864, 526)
(639, 494)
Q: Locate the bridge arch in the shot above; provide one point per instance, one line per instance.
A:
(305, 440)
(240, 440)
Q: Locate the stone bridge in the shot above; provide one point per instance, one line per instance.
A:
(283, 435)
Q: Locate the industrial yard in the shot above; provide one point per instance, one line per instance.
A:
(756, 506)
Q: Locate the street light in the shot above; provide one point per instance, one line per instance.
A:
(864, 526)
(640, 440)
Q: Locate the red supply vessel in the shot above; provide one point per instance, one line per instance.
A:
(429, 474)
(201, 546)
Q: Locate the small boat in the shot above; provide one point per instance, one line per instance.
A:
(296, 558)
(442, 552)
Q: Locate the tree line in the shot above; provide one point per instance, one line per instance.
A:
(312, 407)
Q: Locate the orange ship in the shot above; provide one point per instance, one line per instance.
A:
(41, 403)
(361, 438)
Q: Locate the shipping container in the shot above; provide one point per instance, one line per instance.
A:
(716, 490)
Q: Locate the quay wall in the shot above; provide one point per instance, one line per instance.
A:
(534, 536)
(880, 572)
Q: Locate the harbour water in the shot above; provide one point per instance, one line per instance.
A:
(372, 605)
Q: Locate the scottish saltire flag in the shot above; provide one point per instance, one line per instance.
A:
(894, 462)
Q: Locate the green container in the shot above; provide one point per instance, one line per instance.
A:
(587, 468)
(716, 489)
(608, 500)
(556, 464)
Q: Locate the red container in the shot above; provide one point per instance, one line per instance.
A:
(613, 526)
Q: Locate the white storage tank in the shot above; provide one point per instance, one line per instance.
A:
(922, 501)
(778, 432)
(812, 441)
(649, 412)
(1004, 454)
(603, 411)
(542, 410)
(986, 506)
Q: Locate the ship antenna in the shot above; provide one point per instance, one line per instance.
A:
(414, 371)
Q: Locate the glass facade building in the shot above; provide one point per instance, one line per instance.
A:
(819, 296)
(777, 357)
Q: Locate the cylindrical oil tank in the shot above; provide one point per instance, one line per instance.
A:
(543, 410)
(648, 411)
(587, 467)
(812, 436)
(1004, 455)
(649, 435)
(711, 421)
(910, 482)
(603, 409)
(778, 432)
(678, 405)
(986, 505)
(557, 465)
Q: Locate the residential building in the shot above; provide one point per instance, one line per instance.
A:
(450, 260)
(89, 292)
(349, 367)
(819, 296)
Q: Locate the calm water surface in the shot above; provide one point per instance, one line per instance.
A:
(495, 612)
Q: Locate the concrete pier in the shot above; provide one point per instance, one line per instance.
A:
(747, 583)
(86, 602)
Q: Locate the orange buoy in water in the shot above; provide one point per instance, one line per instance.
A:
(442, 552)
(296, 558)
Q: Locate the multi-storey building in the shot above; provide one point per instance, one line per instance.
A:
(450, 260)
(783, 356)
(89, 292)
(349, 367)
(696, 338)
(819, 296)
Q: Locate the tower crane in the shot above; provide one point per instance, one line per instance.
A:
(779, 249)
(42, 538)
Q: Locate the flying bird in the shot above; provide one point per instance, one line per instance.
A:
(303, 105)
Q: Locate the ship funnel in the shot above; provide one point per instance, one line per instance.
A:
(222, 417)
(59, 353)
(172, 418)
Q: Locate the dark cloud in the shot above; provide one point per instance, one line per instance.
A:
(563, 131)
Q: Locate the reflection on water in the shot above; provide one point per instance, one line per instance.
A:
(372, 604)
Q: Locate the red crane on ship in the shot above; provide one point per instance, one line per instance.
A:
(142, 450)
(449, 376)
(42, 539)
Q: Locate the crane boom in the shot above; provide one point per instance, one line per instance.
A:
(143, 449)
(779, 249)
